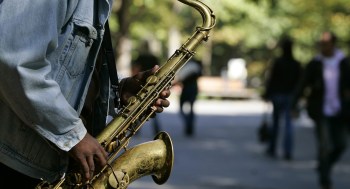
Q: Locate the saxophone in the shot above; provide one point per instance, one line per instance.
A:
(150, 158)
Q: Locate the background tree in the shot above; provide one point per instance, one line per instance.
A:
(246, 29)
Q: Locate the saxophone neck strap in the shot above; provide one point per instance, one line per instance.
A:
(109, 55)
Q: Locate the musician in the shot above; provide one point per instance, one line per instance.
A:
(48, 69)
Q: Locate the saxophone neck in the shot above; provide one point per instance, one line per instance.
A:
(207, 14)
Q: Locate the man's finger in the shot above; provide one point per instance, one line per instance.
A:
(102, 158)
(91, 169)
(85, 168)
(165, 94)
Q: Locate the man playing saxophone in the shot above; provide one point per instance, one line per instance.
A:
(50, 61)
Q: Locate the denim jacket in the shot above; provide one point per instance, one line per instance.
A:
(47, 55)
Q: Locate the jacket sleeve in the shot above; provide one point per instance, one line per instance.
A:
(303, 83)
(29, 32)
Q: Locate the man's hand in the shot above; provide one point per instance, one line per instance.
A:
(131, 85)
(86, 153)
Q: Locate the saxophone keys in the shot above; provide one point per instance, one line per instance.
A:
(152, 80)
(118, 180)
(132, 100)
(112, 146)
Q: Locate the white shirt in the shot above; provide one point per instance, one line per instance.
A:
(331, 105)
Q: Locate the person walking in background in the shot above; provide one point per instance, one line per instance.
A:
(145, 61)
(280, 86)
(326, 87)
(187, 78)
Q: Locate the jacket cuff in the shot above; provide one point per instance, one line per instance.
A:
(66, 141)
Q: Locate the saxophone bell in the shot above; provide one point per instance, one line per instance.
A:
(150, 158)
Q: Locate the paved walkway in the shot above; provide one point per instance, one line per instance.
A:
(225, 153)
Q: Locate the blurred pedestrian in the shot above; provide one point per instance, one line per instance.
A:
(145, 61)
(326, 87)
(280, 87)
(187, 78)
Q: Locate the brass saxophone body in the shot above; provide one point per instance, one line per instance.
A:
(150, 158)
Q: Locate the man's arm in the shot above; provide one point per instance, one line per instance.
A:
(29, 32)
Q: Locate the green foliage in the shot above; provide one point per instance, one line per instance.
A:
(249, 29)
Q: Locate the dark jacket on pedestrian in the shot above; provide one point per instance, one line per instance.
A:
(315, 96)
(284, 76)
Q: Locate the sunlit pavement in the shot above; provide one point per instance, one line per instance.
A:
(224, 153)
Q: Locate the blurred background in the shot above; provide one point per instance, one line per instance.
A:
(224, 152)
(245, 29)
